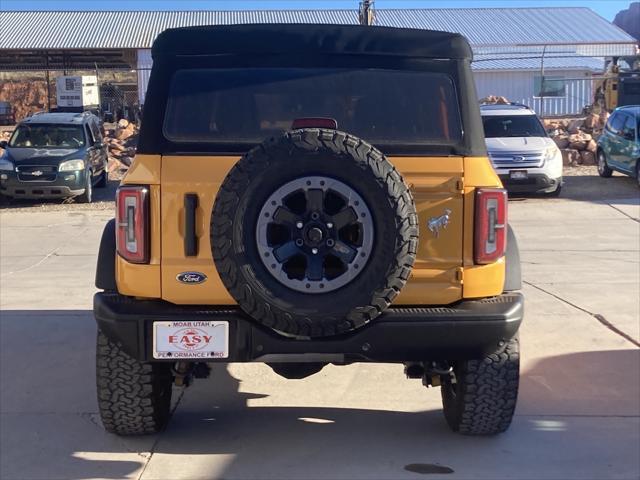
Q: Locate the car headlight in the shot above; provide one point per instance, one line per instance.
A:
(551, 152)
(6, 165)
(71, 165)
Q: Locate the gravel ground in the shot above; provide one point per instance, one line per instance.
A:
(584, 183)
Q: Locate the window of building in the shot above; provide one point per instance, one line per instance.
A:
(552, 86)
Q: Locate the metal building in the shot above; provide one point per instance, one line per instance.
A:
(545, 57)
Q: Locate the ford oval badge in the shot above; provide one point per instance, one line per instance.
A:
(191, 278)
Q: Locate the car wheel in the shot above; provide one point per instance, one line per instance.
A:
(479, 397)
(603, 168)
(87, 196)
(134, 398)
(314, 233)
(102, 179)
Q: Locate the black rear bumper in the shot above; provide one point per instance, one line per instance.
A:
(469, 329)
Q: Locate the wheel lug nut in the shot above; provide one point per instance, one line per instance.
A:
(315, 215)
(299, 242)
(299, 225)
(314, 251)
(329, 225)
(330, 242)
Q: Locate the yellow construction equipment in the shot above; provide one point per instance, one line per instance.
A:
(620, 85)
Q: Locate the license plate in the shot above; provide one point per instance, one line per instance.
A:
(190, 339)
(518, 174)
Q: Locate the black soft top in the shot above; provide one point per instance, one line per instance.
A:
(263, 39)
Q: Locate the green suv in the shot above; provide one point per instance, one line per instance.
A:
(54, 155)
(619, 145)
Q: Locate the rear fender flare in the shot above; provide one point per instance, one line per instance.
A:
(513, 274)
(106, 268)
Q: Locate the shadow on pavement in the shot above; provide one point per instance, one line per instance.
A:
(586, 383)
(50, 429)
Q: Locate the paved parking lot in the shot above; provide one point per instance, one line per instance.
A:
(578, 415)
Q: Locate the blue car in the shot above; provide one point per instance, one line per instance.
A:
(619, 144)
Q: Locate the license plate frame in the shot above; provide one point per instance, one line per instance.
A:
(518, 174)
(189, 339)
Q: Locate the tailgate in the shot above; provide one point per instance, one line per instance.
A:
(436, 183)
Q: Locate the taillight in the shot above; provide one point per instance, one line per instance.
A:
(490, 224)
(314, 122)
(132, 223)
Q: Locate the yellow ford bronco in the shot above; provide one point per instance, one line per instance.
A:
(305, 195)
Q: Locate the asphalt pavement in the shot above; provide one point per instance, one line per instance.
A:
(578, 414)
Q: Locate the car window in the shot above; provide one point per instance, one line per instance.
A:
(614, 125)
(47, 136)
(629, 128)
(95, 130)
(90, 138)
(496, 126)
(250, 104)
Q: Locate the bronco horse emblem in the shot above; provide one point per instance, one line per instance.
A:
(436, 223)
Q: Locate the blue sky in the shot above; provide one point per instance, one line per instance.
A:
(606, 8)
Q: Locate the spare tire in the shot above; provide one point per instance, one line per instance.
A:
(314, 233)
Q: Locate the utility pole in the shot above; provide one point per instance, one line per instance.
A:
(366, 13)
(542, 85)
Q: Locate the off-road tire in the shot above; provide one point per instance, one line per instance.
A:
(102, 181)
(482, 400)
(297, 154)
(603, 170)
(134, 398)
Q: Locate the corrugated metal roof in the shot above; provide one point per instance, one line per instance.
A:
(510, 62)
(485, 28)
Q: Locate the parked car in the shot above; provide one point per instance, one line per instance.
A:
(619, 144)
(318, 166)
(54, 155)
(522, 153)
(7, 116)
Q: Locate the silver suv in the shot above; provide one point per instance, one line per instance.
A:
(522, 153)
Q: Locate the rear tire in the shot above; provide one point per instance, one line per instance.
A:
(134, 398)
(480, 397)
(102, 180)
(603, 168)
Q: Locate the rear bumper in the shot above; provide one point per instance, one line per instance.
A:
(469, 329)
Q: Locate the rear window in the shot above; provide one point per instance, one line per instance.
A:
(245, 106)
(496, 126)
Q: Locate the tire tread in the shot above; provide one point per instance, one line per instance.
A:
(254, 164)
(134, 397)
(488, 391)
